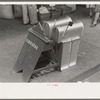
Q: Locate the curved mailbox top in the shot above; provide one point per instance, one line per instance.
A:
(48, 26)
(67, 33)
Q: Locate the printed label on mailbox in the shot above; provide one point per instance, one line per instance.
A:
(32, 44)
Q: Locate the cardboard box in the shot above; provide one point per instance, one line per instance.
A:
(56, 13)
(43, 17)
(49, 26)
(64, 9)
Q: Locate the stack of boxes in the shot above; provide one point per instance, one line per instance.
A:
(54, 12)
(64, 9)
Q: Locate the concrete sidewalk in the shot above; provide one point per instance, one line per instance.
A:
(91, 36)
(93, 78)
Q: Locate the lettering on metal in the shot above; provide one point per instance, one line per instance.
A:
(32, 44)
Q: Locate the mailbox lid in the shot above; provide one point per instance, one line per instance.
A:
(48, 26)
(67, 33)
(74, 32)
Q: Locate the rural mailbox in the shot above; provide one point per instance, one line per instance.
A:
(56, 49)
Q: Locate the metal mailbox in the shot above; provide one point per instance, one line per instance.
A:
(68, 40)
(54, 47)
(48, 26)
(67, 33)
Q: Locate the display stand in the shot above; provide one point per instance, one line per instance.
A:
(35, 48)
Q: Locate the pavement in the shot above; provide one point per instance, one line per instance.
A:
(91, 36)
(12, 37)
(93, 78)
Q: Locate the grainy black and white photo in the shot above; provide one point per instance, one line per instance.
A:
(49, 43)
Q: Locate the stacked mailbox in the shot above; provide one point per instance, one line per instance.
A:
(66, 38)
(53, 45)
